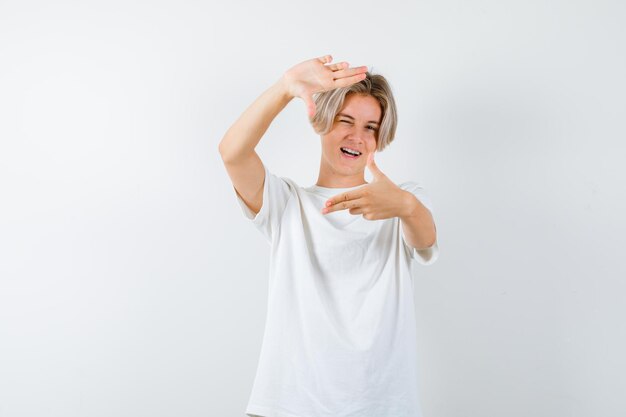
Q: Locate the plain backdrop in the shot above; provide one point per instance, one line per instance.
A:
(131, 284)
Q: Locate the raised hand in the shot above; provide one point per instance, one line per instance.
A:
(314, 76)
(380, 199)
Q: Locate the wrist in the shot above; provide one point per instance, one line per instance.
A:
(282, 87)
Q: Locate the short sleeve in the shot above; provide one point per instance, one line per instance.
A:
(276, 194)
(426, 256)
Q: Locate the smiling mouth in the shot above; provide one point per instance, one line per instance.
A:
(349, 153)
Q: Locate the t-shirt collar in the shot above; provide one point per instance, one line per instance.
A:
(329, 192)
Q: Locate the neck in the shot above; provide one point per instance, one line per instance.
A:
(340, 181)
(330, 177)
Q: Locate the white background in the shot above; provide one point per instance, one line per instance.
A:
(132, 285)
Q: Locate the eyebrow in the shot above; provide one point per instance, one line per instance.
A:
(350, 117)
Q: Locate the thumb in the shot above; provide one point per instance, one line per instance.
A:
(310, 105)
(376, 172)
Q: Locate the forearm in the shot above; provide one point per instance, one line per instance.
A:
(243, 136)
(417, 223)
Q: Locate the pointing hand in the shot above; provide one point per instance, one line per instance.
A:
(380, 199)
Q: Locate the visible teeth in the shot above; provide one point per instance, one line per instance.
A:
(351, 151)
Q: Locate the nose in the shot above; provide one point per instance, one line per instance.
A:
(356, 135)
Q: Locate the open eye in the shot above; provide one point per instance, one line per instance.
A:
(372, 128)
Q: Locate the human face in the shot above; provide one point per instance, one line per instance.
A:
(356, 127)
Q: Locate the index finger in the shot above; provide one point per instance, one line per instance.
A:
(344, 78)
(339, 198)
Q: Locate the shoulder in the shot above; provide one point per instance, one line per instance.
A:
(285, 182)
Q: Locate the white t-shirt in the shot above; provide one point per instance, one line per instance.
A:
(340, 335)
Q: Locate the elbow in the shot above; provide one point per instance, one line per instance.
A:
(429, 246)
(225, 153)
(424, 246)
(433, 238)
(221, 148)
(429, 242)
(230, 152)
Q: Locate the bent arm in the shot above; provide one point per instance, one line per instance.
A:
(244, 166)
(237, 147)
(244, 135)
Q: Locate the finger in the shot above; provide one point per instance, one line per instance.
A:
(347, 72)
(370, 216)
(371, 165)
(339, 66)
(343, 205)
(325, 59)
(344, 82)
(310, 105)
(356, 210)
(350, 195)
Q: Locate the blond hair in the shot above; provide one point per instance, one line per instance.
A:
(329, 103)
